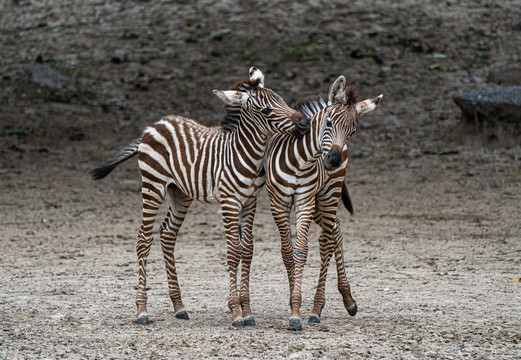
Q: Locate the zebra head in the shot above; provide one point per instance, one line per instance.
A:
(262, 107)
(341, 119)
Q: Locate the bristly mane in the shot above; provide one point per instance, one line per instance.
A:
(232, 114)
(310, 105)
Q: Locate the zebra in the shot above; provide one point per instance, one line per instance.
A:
(215, 165)
(308, 173)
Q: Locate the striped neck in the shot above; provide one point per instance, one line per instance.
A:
(247, 145)
(309, 147)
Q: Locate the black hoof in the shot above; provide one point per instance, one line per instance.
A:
(143, 320)
(295, 324)
(313, 319)
(353, 310)
(183, 315)
(238, 323)
(249, 321)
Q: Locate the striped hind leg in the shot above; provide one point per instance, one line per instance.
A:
(343, 284)
(331, 228)
(326, 252)
(168, 231)
(246, 239)
(153, 196)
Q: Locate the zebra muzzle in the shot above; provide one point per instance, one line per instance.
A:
(302, 127)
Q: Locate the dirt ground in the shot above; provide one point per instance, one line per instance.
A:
(430, 251)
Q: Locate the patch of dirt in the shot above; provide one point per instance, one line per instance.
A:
(430, 250)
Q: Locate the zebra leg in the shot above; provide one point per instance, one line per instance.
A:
(246, 240)
(304, 216)
(168, 233)
(281, 215)
(331, 228)
(153, 196)
(343, 285)
(230, 212)
(326, 251)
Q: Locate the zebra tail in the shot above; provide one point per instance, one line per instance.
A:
(126, 153)
(346, 199)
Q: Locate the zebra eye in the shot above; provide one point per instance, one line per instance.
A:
(266, 111)
(328, 123)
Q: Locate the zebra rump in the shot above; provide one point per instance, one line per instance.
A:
(124, 154)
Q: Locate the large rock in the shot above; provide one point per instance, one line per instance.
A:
(496, 112)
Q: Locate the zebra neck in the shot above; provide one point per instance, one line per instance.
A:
(310, 145)
(247, 145)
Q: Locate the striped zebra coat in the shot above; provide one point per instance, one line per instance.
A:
(219, 165)
(308, 173)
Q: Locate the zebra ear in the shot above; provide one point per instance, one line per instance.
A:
(337, 92)
(256, 77)
(232, 97)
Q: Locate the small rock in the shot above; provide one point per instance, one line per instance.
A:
(88, 215)
(46, 76)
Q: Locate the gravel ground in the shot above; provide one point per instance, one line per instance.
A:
(430, 251)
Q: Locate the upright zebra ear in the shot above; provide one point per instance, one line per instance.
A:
(256, 77)
(232, 97)
(337, 92)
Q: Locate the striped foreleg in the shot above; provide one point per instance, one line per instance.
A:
(153, 196)
(281, 215)
(246, 239)
(168, 233)
(304, 215)
(230, 212)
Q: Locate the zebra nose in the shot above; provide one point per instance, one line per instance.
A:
(301, 127)
(333, 159)
(304, 124)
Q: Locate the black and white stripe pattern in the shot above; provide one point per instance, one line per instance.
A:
(308, 173)
(220, 165)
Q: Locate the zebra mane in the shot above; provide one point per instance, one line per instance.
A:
(310, 105)
(232, 114)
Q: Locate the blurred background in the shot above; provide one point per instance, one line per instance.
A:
(87, 71)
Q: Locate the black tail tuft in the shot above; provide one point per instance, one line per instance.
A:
(346, 199)
(126, 153)
(103, 170)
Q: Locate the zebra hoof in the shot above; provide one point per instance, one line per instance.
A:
(143, 319)
(313, 319)
(238, 323)
(249, 321)
(183, 315)
(295, 324)
(353, 310)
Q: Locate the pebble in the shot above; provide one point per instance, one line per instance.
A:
(88, 215)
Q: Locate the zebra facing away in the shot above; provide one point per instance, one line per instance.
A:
(308, 173)
(218, 165)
